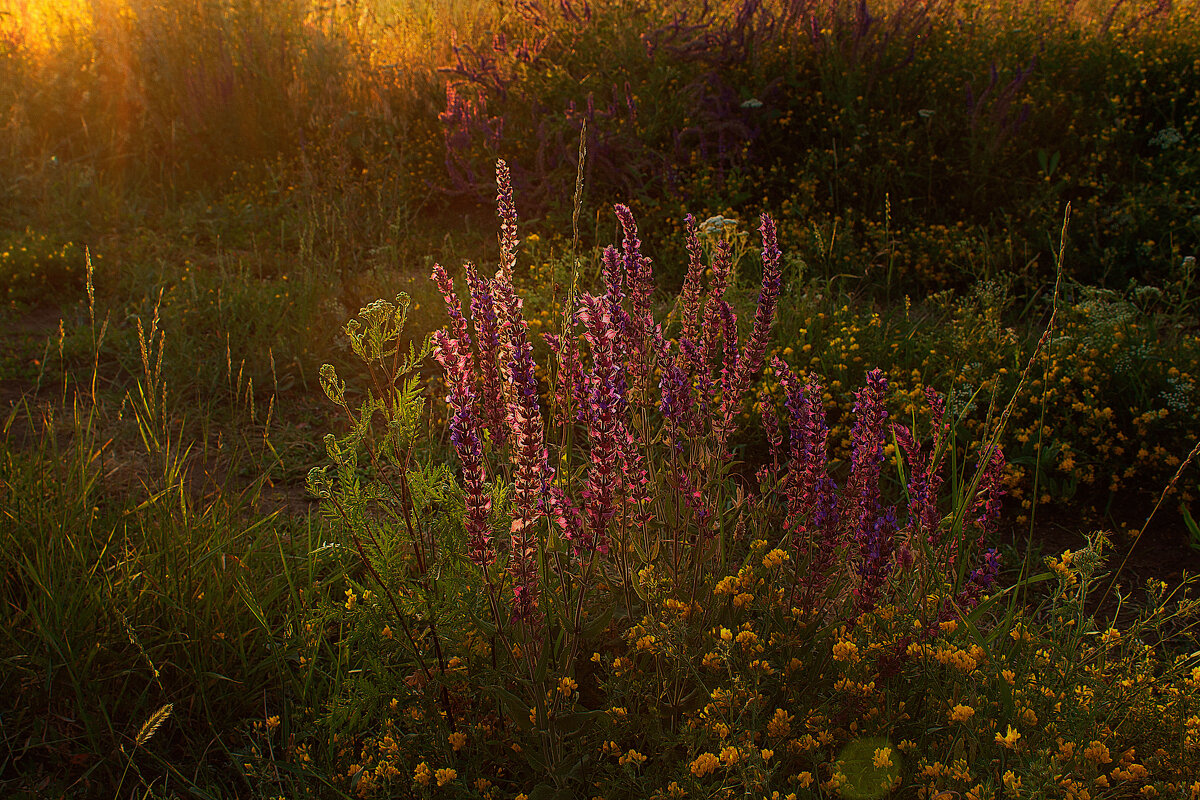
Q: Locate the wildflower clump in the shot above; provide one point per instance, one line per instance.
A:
(598, 576)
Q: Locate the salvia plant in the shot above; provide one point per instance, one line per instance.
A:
(599, 532)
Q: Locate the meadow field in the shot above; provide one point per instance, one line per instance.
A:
(617, 399)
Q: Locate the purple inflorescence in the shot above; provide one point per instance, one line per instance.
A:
(982, 578)
(862, 500)
(690, 297)
(604, 418)
(458, 323)
(876, 541)
(729, 364)
(507, 211)
(676, 388)
(455, 358)
(751, 359)
(638, 275)
(722, 265)
(807, 445)
(532, 474)
(987, 502)
(487, 343)
(493, 389)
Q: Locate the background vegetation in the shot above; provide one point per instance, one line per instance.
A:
(196, 195)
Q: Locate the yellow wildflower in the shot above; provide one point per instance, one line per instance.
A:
(705, 764)
(961, 713)
(1009, 739)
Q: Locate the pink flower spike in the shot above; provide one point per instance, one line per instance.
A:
(507, 211)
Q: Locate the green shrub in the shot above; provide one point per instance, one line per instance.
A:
(598, 600)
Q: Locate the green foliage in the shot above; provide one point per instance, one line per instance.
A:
(680, 663)
(245, 174)
(35, 268)
(138, 581)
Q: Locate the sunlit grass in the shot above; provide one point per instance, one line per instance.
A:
(245, 175)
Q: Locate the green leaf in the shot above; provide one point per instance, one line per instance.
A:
(569, 724)
(594, 627)
(1192, 526)
(514, 707)
(544, 791)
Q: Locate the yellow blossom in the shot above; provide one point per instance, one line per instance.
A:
(961, 713)
(1009, 739)
(747, 638)
(704, 764)
(775, 558)
(845, 651)
(780, 724)
(1097, 753)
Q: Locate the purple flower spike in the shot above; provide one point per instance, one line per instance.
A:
(676, 404)
(637, 267)
(532, 474)
(807, 447)
(924, 474)
(568, 388)
(487, 343)
(876, 541)
(458, 323)
(751, 359)
(689, 305)
(821, 542)
(729, 365)
(507, 211)
(919, 499)
(642, 331)
(605, 417)
(464, 435)
(771, 428)
(768, 300)
(615, 283)
(987, 501)
(698, 368)
(983, 578)
(867, 439)
(722, 265)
